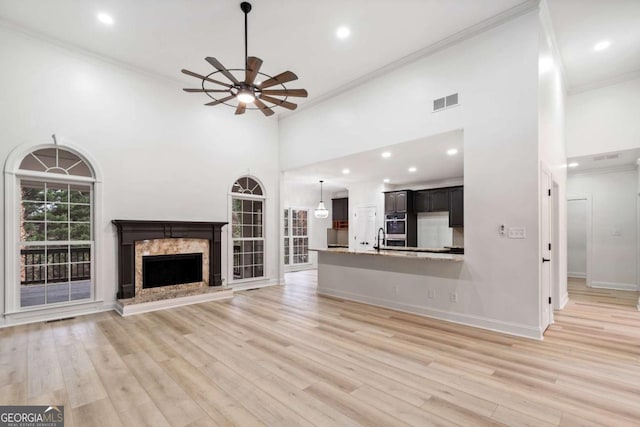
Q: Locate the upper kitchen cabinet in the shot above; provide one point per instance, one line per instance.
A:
(456, 207)
(439, 200)
(398, 201)
(436, 200)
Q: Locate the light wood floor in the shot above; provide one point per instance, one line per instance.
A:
(282, 356)
(578, 291)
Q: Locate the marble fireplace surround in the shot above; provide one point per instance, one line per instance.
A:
(135, 237)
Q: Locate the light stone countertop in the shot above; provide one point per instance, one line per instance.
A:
(397, 254)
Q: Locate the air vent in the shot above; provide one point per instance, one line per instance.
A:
(613, 156)
(598, 158)
(445, 102)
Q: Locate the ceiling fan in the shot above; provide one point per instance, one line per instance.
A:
(240, 93)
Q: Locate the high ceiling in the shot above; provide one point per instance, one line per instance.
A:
(580, 24)
(164, 36)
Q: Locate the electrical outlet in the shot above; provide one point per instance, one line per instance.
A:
(453, 297)
(431, 293)
(517, 232)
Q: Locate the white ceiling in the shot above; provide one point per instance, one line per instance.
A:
(605, 160)
(164, 36)
(428, 155)
(580, 24)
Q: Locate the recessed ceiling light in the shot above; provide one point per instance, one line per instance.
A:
(386, 154)
(343, 32)
(573, 164)
(346, 171)
(386, 180)
(601, 45)
(412, 169)
(105, 18)
(452, 151)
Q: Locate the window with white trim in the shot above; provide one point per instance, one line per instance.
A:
(55, 228)
(247, 229)
(296, 236)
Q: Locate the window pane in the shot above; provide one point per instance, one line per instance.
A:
(58, 292)
(57, 231)
(80, 253)
(57, 193)
(80, 231)
(81, 290)
(57, 273)
(32, 270)
(58, 254)
(33, 211)
(57, 212)
(31, 295)
(32, 191)
(80, 194)
(80, 213)
(32, 232)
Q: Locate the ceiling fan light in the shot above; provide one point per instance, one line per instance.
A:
(245, 96)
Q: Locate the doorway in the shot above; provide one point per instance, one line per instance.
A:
(365, 236)
(547, 216)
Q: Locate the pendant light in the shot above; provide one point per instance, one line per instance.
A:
(321, 211)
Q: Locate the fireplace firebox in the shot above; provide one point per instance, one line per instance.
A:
(175, 269)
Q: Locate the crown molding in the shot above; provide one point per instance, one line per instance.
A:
(609, 81)
(547, 24)
(454, 39)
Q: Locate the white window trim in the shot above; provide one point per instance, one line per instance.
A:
(12, 177)
(230, 280)
(301, 265)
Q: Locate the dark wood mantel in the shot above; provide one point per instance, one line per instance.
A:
(130, 231)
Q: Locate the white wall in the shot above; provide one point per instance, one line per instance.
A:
(162, 153)
(577, 238)
(614, 250)
(552, 150)
(307, 196)
(496, 75)
(604, 120)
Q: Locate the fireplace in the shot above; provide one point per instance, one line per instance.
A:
(167, 270)
(170, 249)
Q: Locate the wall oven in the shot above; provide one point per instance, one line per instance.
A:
(395, 227)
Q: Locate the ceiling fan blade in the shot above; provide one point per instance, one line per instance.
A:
(253, 66)
(220, 101)
(286, 92)
(242, 107)
(265, 110)
(196, 75)
(285, 77)
(281, 102)
(206, 90)
(220, 67)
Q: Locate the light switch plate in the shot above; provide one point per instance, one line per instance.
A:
(517, 233)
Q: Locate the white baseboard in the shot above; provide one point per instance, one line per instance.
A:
(564, 300)
(576, 275)
(615, 285)
(145, 307)
(254, 285)
(45, 314)
(510, 328)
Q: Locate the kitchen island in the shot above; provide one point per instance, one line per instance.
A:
(424, 283)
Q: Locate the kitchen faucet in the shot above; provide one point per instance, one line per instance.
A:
(384, 237)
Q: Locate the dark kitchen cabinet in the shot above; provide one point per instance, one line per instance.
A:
(340, 209)
(439, 200)
(456, 207)
(398, 202)
(422, 201)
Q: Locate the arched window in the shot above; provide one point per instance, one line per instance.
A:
(55, 228)
(247, 229)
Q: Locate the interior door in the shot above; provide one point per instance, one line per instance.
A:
(365, 236)
(546, 184)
